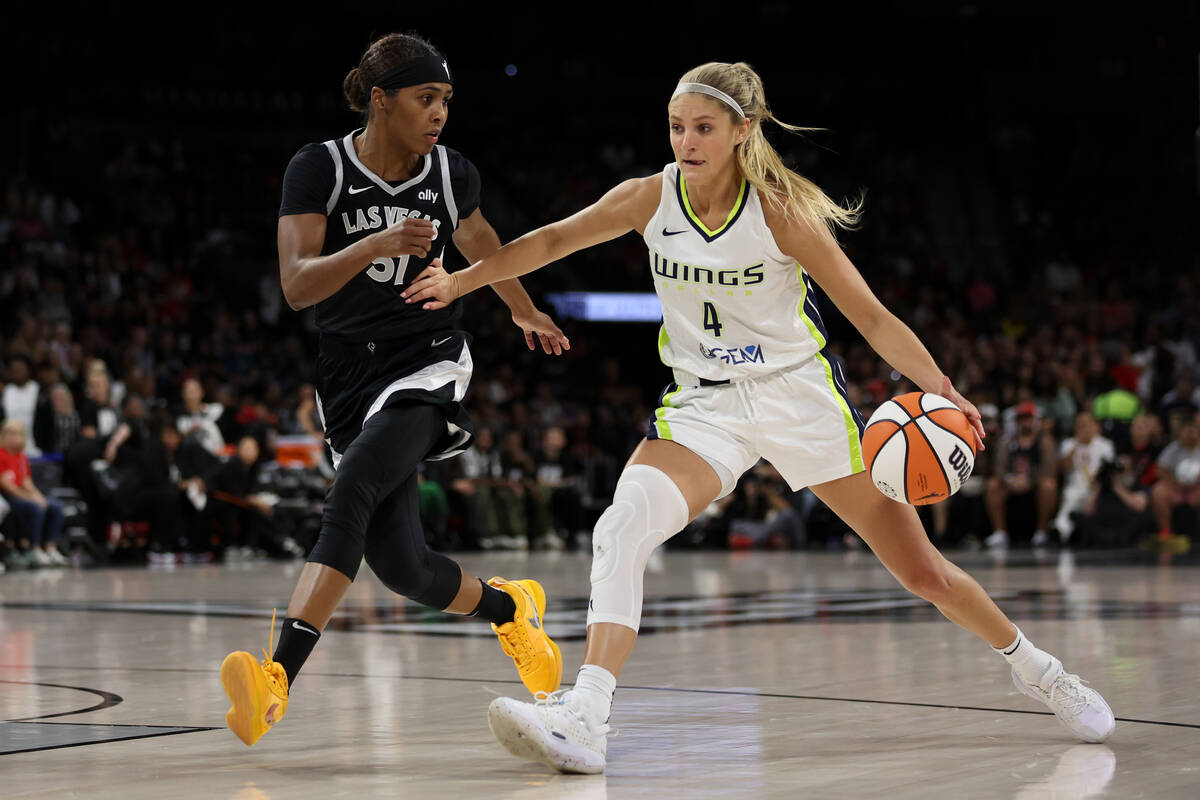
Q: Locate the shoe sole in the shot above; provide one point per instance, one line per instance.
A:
(1090, 739)
(525, 738)
(237, 676)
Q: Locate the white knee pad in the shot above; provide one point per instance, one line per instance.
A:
(647, 509)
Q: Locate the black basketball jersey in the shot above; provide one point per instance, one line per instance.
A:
(329, 179)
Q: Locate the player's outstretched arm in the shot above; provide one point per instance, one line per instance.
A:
(476, 239)
(817, 251)
(626, 207)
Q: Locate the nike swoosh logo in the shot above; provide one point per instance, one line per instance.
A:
(356, 190)
(306, 629)
(673, 233)
(441, 341)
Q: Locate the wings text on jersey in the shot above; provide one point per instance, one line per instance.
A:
(672, 270)
(371, 217)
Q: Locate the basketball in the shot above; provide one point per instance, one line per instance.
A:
(919, 448)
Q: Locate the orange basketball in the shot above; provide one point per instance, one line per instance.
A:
(919, 448)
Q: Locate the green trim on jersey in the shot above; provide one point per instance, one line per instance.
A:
(660, 422)
(856, 459)
(663, 338)
(733, 212)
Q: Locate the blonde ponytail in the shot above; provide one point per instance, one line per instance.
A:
(801, 199)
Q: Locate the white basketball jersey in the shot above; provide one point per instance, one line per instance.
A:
(733, 304)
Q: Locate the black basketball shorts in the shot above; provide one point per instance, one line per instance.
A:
(356, 379)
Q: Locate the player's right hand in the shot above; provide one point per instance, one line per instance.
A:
(408, 237)
(434, 288)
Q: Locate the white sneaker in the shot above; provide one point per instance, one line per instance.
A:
(1040, 539)
(550, 730)
(997, 541)
(1081, 710)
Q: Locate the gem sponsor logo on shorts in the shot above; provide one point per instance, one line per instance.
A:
(750, 354)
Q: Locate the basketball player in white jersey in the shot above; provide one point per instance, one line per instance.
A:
(736, 242)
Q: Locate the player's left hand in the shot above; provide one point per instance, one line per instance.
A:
(950, 393)
(436, 287)
(535, 323)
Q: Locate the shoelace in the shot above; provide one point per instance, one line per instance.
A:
(1068, 692)
(274, 669)
(558, 699)
(517, 640)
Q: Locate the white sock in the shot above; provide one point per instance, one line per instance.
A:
(593, 692)
(1030, 663)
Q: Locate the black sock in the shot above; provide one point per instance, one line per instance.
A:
(495, 605)
(296, 641)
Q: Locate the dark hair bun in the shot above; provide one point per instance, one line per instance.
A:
(356, 95)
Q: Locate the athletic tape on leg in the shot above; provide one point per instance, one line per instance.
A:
(647, 509)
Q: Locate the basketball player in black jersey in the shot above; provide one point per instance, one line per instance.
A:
(361, 216)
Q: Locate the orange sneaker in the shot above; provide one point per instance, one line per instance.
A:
(258, 691)
(538, 660)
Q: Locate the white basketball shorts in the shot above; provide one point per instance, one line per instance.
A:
(798, 419)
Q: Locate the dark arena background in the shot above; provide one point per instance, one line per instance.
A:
(1031, 209)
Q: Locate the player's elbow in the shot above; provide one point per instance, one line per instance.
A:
(293, 292)
(294, 300)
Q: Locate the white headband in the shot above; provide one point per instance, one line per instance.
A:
(704, 88)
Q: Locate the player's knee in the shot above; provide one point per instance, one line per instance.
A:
(930, 582)
(338, 549)
(430, 579)
(647, 509)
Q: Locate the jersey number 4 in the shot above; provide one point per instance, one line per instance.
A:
(712, 321)
(385, 269)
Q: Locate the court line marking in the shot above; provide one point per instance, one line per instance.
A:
(680, 690)
(107, 700)
(174, 732)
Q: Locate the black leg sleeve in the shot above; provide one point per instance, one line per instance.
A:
(396, 552)
(380, 459)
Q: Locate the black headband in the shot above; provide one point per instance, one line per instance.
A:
(427, 69)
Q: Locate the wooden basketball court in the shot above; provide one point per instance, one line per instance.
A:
(757, 675)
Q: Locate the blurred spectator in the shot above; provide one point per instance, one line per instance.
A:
(308, 421)
(1116, 512)
(198, 421)
(57, 424)
(1115, 410)
(179, 469)
(1081, 457)
(1181, 403)
(517, 502)
(98, 413)
(41, 517)
(244, 514)
(1176, 495)
(1024, 478)
(20, 398)
(470, 489)
(559, 481)
(1142, 451)
(757, 513)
